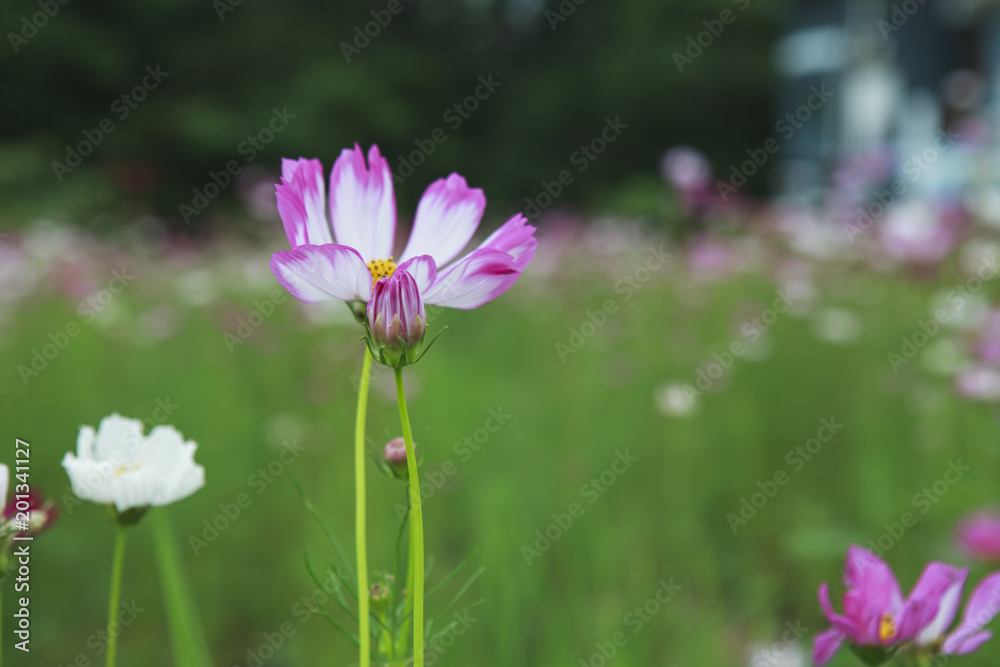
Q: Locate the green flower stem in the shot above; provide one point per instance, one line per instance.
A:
(116, 589)
(416, 528)
(364, 633)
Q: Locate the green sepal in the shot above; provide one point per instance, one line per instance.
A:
(874, 656)
(129, 517)
(360, 311)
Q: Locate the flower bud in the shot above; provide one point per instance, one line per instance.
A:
(396, 317)
(395, 453)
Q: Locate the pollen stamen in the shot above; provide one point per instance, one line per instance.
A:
(123, 469)
(381, 268)
(886, 628)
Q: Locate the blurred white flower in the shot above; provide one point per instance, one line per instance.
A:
(119, 465)
(916, 231)
(986, 205)
(780, 654)
(963, 310)
(685, 168)
(676, 400)
(943, 357)
(979, 383)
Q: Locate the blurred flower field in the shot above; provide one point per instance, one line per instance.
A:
(657, 449)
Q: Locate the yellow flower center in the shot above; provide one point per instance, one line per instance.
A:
(381, 268)
(886, 628)
(123, 469)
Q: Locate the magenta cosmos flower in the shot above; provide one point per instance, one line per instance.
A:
(340, 257)
(979, 536)
(983, 605)
(876, 618)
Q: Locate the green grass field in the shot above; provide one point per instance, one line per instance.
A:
(566, 421)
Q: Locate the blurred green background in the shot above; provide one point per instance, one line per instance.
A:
(664, 518)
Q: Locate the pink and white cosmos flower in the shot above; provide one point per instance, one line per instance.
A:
(340, 257)
(978, 536)
(875, 614)
(969, 635)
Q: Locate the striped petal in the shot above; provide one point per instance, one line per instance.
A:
(362, 203)
(423, 269)
(447, 216)
(302, 202)
(480, 277)
(323, 273)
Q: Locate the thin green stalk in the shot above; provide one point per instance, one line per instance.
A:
(407, 618)
(416, 527)
(364, 633)
(116, 589)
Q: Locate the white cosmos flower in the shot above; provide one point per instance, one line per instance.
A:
(119, 465)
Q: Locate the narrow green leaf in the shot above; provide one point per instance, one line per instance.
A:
(187, 637)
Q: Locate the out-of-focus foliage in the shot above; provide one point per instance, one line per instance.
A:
(226, 75)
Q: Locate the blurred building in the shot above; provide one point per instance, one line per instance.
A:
(901, 71)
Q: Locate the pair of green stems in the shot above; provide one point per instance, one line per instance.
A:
(415, 585)
(415, 567)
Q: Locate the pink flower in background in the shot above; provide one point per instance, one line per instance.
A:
(686, 169)
(340, 257)
(876, 617)
(979, 383)
(919, 232)
(978, 536)
(987, 345)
